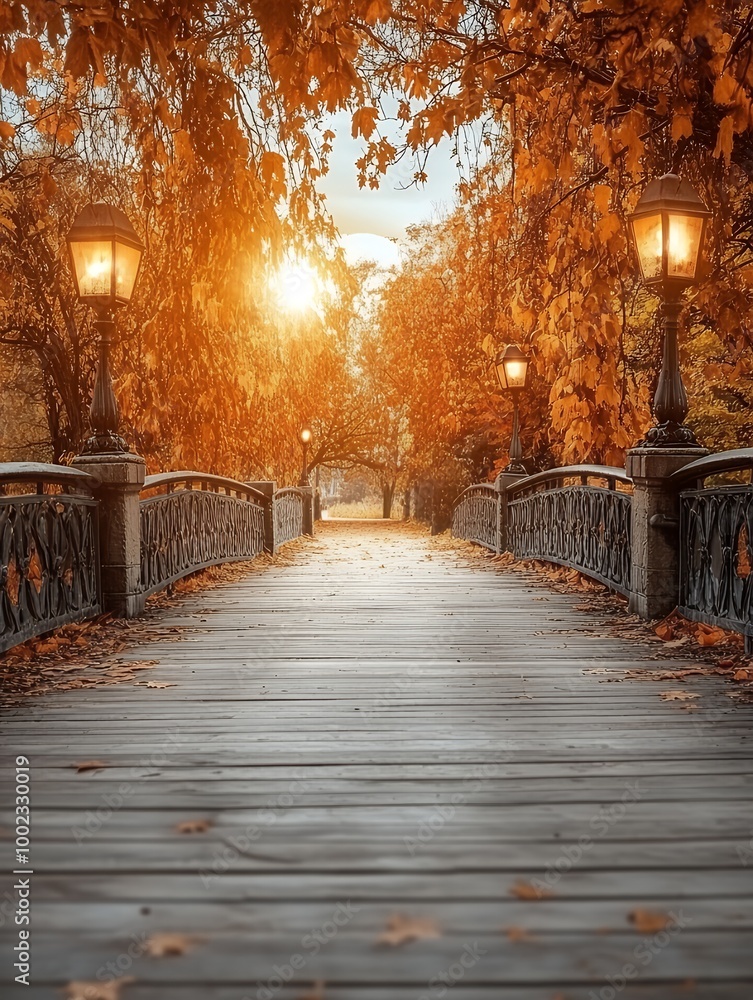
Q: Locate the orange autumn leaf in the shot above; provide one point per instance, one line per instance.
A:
(90, 765)
(528, 891)
(402, 929)
(648, 921)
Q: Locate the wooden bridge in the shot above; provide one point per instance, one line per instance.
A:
(408, 776)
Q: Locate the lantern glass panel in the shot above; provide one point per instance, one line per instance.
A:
(127, 260)
(684, 244)
(92, 261)
(647, 231)
(515, 371)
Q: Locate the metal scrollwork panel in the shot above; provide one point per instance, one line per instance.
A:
(475, 517)
(49, 561)
(288, 514)
(584, 527)
(189, 530)
(716, 556)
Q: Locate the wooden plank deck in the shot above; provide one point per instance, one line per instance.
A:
(385, 728)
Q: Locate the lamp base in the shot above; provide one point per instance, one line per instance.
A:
(106, 443)
(516, 468)
(669, 435)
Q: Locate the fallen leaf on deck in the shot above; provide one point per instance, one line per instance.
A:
(44, 646)
(155, 684)
(665, 632)
(707, 636)
(168, 945)
(90, 765)
(401, 929)
(678, 695)
(194, 826)
(317, 991)
(90, 990)
(517, 934)
(525, 890)
(648, 921)
(743, 674)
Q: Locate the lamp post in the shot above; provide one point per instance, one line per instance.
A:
(305, 438)
(105, 255)
(668, 227)
(512, 372)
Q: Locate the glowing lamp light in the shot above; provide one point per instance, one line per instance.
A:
(512, 368)
(305, 436)
(668, 227)
(105, 256)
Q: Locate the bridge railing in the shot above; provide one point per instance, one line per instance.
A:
(288, 509)
(716, 542)
(191, 520)
(475, 516)
(75, 542)
(563, 517)
(49, 550)
(655, 532)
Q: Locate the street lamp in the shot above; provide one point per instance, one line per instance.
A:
(668, 227)
(512, 372)
(105, 255)
(305, 438)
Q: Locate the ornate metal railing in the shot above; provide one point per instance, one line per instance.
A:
(194, 521)
(475, 516)
(716, 543)
(288, 515)
(579, 525)
(49, 550)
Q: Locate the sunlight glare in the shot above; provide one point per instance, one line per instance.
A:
(297, 287)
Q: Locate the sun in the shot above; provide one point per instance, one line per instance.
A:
(297, 286)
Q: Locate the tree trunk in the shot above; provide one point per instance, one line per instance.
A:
(406, 505)
(388, 493)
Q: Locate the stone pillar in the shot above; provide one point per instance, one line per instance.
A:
(655, 577)
(308, 509)
(501, 483)
(268, 487)
(121, 477)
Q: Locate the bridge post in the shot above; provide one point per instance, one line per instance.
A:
(655, 576)
(121, 477)
(308, 509)
(268, 487)
(501, 484)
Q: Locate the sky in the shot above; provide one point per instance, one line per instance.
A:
(371, 221)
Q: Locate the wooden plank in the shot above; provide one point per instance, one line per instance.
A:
(382, 671)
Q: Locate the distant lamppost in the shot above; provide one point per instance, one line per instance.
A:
(105, 255)
(668, 227)
(512, 372)
(305, 438)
